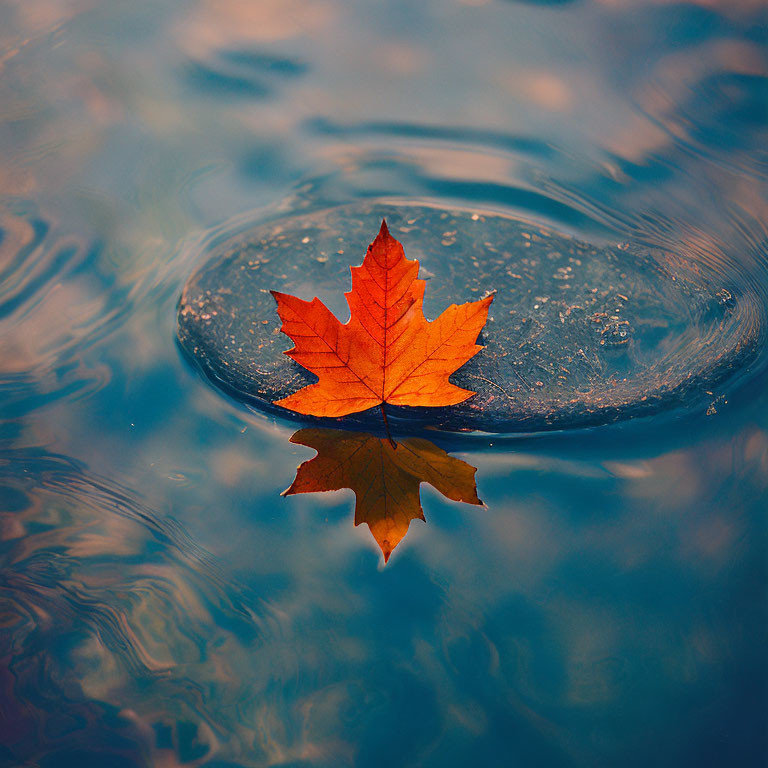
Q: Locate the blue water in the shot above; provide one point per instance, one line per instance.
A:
(160, 604)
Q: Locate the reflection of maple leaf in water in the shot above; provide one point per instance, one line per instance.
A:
(388, 352)
(385, 479)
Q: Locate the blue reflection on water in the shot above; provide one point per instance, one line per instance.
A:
(161, 604)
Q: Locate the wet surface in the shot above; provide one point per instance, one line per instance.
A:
(162, 605)
(578, 334)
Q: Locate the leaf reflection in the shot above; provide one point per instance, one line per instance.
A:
(385, 479)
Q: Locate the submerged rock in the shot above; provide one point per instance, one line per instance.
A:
(578, 334)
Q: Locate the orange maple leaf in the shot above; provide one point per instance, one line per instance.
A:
(388, 352)
(385, 480)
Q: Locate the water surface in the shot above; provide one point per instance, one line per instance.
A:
(161, 603)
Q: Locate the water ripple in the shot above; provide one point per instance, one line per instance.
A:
(463, 137)
(242, 73)
(96, 581)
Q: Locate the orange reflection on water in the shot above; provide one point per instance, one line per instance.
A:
(221, 23)
(384, 476)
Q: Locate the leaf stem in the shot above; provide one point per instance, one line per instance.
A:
(386, 427)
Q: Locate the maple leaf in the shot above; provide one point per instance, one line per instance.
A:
(387, 352)
(385, 479)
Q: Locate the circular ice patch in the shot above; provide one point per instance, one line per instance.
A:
(578, 334)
